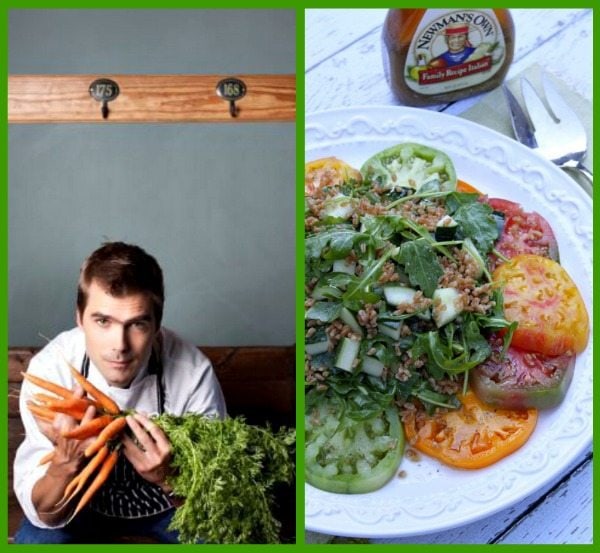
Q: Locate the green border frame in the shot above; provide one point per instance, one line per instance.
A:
(300, 537)
(300, 85)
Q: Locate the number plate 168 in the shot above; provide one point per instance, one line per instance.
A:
(231, 89)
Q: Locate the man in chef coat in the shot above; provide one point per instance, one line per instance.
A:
(120, 346)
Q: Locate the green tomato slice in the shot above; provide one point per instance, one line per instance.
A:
(413, 166)
(522, 380)
(347, 456)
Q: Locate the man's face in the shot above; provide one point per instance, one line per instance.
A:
(456, 43)
(118, 333)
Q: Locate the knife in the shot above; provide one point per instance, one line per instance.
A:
(520, 123)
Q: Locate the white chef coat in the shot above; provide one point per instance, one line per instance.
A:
(189, 384)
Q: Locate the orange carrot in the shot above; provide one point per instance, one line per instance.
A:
(46, 458)
(63, 405)
(107, 433)
(101, 477)
(76, 407)
(40, 411)
(105, 402)
(75, 485)
(45, 398)
(89, 429)
(47, 385)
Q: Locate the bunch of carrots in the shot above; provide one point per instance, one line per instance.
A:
(225, 470)
(107, 427)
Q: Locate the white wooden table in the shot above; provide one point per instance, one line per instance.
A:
(343, 66)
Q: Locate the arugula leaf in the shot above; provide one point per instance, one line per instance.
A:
(474, 342)
(432, 399)
(362, 396)
(445, 355)
(381, 344)
(421, 264)
(333, 243)
(379, 228)
(337, 280)
(458, 199)
(477, 223)
(496, 321)
(371, 273)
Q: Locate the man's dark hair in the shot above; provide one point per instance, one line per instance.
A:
(122, 269)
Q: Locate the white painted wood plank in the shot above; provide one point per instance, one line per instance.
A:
(577, 490)
(564, 517)
(329, 31)
(567, 55)
(354, 75)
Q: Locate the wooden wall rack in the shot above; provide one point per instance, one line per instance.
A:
(149, 99)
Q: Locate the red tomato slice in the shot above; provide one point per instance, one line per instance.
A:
(524, 232)
(540, 295)
(521, 379)
(473, 436)
(504, 206)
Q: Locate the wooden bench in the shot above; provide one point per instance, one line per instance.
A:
(258, 383)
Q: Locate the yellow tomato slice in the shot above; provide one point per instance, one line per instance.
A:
(540, 295)
(474, 436)
(462, 186)
(327, 171)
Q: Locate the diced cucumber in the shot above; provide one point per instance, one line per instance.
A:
(318, 342)
(447, 305)
(323, 360)
(342, 266)
(500, 219)
(314, 348)
(397, 295)
(391, 329)
(474, 254)
(347, 317)
(372, 366)
(347, 353)
(446, 229)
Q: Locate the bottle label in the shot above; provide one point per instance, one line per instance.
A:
(452, 50)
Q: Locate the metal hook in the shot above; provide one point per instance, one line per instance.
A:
(104, 91)
(231, 89)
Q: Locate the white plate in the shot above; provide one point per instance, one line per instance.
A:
(433, 497)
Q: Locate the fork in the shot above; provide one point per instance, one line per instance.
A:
(558, 136)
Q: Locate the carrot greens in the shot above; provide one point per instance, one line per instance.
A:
(226, 470)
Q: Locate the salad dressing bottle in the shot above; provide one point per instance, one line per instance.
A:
(437, 56)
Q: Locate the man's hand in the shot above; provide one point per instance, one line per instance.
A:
(151, 455)
(66, 463)
(69, 450)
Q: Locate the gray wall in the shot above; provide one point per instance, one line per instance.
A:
(213, 203)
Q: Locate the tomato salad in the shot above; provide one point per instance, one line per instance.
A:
(434, 315)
